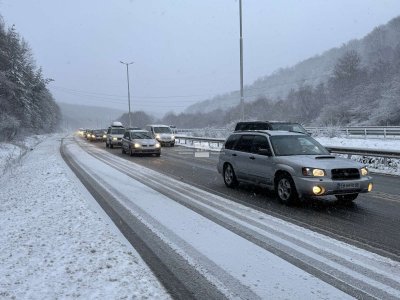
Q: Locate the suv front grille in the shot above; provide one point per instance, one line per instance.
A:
(345, 174)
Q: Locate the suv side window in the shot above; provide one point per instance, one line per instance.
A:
(231, 141)
(259, 142)
(245, 143)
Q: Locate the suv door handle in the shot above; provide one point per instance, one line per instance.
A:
(252, 157)
(234, 154)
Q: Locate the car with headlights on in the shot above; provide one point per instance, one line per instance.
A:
(163, 134)
(294, 165)
(114, 134)
(95, 135)
(140, 142)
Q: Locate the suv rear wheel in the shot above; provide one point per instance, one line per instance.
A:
(286, 189)
(230, 177)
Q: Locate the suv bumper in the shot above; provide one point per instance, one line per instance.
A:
(304, 186)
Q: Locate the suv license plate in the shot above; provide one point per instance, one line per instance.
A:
(345, 186)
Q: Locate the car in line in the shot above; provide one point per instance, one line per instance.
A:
(85, 133)
(114, 135)
(294, 165)
(163, 134)
(140, 142)
(96, 135)
(270, 125)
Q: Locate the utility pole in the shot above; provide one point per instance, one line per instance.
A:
(241, 62)
(129, 95)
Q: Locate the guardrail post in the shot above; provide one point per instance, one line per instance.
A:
(365, 133)
(385, 162)
(349, 156)
(384, 133)
(347, 132)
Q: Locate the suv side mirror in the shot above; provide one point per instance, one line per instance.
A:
(265, 152)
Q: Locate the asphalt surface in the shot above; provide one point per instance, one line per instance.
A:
(372, 222)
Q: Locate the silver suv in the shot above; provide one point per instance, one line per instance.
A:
(293, 164)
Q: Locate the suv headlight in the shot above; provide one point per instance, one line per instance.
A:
(137, 145)
(313, 172)
(158, 145)
(114, 138)
(364, 171)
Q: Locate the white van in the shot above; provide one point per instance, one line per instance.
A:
(114, 134)
(162, 133)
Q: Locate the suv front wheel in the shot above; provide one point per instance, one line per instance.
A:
(230, 177)
(286, 189)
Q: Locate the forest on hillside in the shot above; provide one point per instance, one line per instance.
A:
(26, 105)
(354, 94)
(361, 88)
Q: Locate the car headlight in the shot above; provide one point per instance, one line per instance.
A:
(93, 136)
(114, 139)
(364, 171)
(157, 136)
(313, 172)
(137, 145)
(104, 136)
(158, 145)
(173, 137)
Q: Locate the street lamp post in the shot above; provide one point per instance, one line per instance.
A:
(241, 62)
(129, 95)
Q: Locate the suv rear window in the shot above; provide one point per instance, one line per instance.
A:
(231, 141)
(245, 143)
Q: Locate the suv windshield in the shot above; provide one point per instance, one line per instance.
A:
(117, 131)
(141, 135)
(162, 130)
(284, 145)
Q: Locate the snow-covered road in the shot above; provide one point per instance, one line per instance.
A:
(56, 242)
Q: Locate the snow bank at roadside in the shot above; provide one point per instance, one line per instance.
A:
(56, 244)
(11, 153)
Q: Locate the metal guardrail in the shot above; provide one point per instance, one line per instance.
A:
(385, 131)
(350, 151)
(190, 139)
(381, 131)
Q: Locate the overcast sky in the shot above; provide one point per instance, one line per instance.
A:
(183, 50)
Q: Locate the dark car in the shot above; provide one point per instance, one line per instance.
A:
(270, 125)
(96, 135)
(85, 133)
